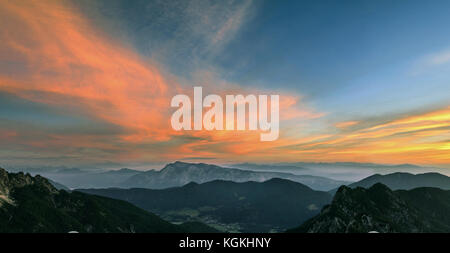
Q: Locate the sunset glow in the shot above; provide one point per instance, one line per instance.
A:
(74, 93)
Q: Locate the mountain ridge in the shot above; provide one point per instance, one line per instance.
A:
(378, 208)
(33, 204)
(269, 206)
(404, 181)
(180, 173)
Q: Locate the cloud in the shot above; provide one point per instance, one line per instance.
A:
(69, 64)
(112, 103)
(52, 55)
(181, 34)
(346, 124)
(418, 138)
(439, 58)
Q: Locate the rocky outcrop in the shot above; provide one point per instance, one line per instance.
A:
(379, 209)
(9, 181)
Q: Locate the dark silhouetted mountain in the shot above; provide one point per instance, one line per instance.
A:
(380, 209)
(405, 181)
(180, 173)
(33, 204)
(273, 205)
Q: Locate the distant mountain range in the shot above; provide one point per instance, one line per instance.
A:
(32, 204)
(271, 206)
(346, 171)
(181, 173)
(319, 176)
(175, 174)
(380, 209)
(404, 181)
(294, 168)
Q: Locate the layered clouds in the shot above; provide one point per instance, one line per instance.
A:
(53, 57)
(78, 87)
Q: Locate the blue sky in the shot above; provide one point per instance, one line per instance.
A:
(367, 52)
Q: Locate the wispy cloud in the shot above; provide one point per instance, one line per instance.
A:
(431, 62)
(67, 63)
(439, 58)
(52, 55)
(418, 138)
(345, 124)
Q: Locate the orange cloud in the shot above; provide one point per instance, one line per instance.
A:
(61, 60)
(346, 124)
(54, 56)
(421, 139)
(67, 63)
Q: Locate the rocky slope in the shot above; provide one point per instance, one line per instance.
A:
(380, 209)
(32, 204)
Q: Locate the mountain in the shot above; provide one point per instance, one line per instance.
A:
(180, 173)
(33, 204)
(78, 178)
(346, 171)
(380, 209)
(58, 186)
(269, 206)
(172, 175)
(294, 169)
(405, 181)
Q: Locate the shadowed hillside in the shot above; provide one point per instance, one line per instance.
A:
(380, 209)
(273, 205)
(33, 204)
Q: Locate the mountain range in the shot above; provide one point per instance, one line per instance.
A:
(36, 204)
(345, 171)
(197, 197)
(318, 176)
(32, 205)
(404, 181)
(270, 206)
(378, 208)
(173, 175)
(181, 173)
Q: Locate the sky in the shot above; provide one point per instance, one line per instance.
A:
(89, 82)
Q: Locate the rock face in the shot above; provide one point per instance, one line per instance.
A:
(9, 181)
(380, 209)
(32, 204)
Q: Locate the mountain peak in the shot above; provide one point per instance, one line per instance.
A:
(379, 187)
(378, 208)
(9, 181)
(405, 181)
(180, 163)
(180, 173)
